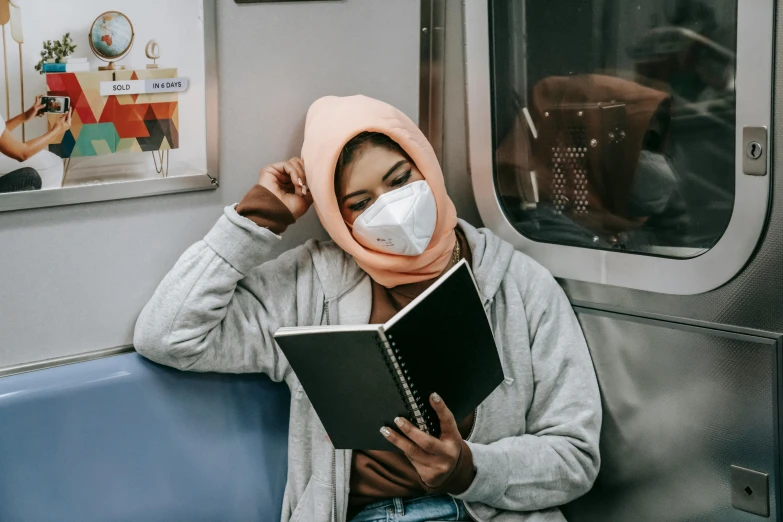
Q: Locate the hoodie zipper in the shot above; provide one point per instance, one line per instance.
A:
(334, 485)
(473, 424)
(470, 436)
(334, 453)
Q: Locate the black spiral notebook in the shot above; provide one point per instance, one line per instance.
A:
(359, 378)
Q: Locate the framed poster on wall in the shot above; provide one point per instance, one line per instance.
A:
(106, 100)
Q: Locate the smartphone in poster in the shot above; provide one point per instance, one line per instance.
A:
(111, 105)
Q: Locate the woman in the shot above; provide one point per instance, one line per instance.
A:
(532, 445)
(26, 165)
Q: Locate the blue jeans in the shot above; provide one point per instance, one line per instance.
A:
(20, 180)
(424, 509)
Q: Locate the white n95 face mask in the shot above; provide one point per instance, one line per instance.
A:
(400, 222)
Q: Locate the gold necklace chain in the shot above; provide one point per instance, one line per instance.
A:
(456, 253)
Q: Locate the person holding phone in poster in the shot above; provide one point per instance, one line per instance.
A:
(26, 165)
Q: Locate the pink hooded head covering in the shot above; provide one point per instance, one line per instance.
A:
(331, 123)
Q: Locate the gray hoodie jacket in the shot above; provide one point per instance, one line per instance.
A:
(535, 440)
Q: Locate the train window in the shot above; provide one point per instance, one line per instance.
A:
(614, 121)
(614, 126)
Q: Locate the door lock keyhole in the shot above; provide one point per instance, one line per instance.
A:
(755, 150)
(750, 489)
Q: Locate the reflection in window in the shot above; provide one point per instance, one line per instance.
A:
(614, 121)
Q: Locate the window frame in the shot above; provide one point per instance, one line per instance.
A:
(677, 276)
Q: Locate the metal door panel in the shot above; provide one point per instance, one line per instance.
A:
(682, 404)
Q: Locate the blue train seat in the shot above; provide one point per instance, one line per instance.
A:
(124, 439)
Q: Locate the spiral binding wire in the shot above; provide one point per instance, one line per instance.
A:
(418, 414)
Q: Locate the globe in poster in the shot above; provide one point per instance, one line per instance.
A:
(111, 35)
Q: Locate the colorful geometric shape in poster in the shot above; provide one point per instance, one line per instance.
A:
(96, 132)
(76, 124)
(64, 149)
(101, 147)
(128, 145)
(115, 124)
(158, 130)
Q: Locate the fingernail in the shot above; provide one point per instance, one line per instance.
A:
(399, 422)
(300, 183)
(304, 189)
(435, 397)
(385, 431)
